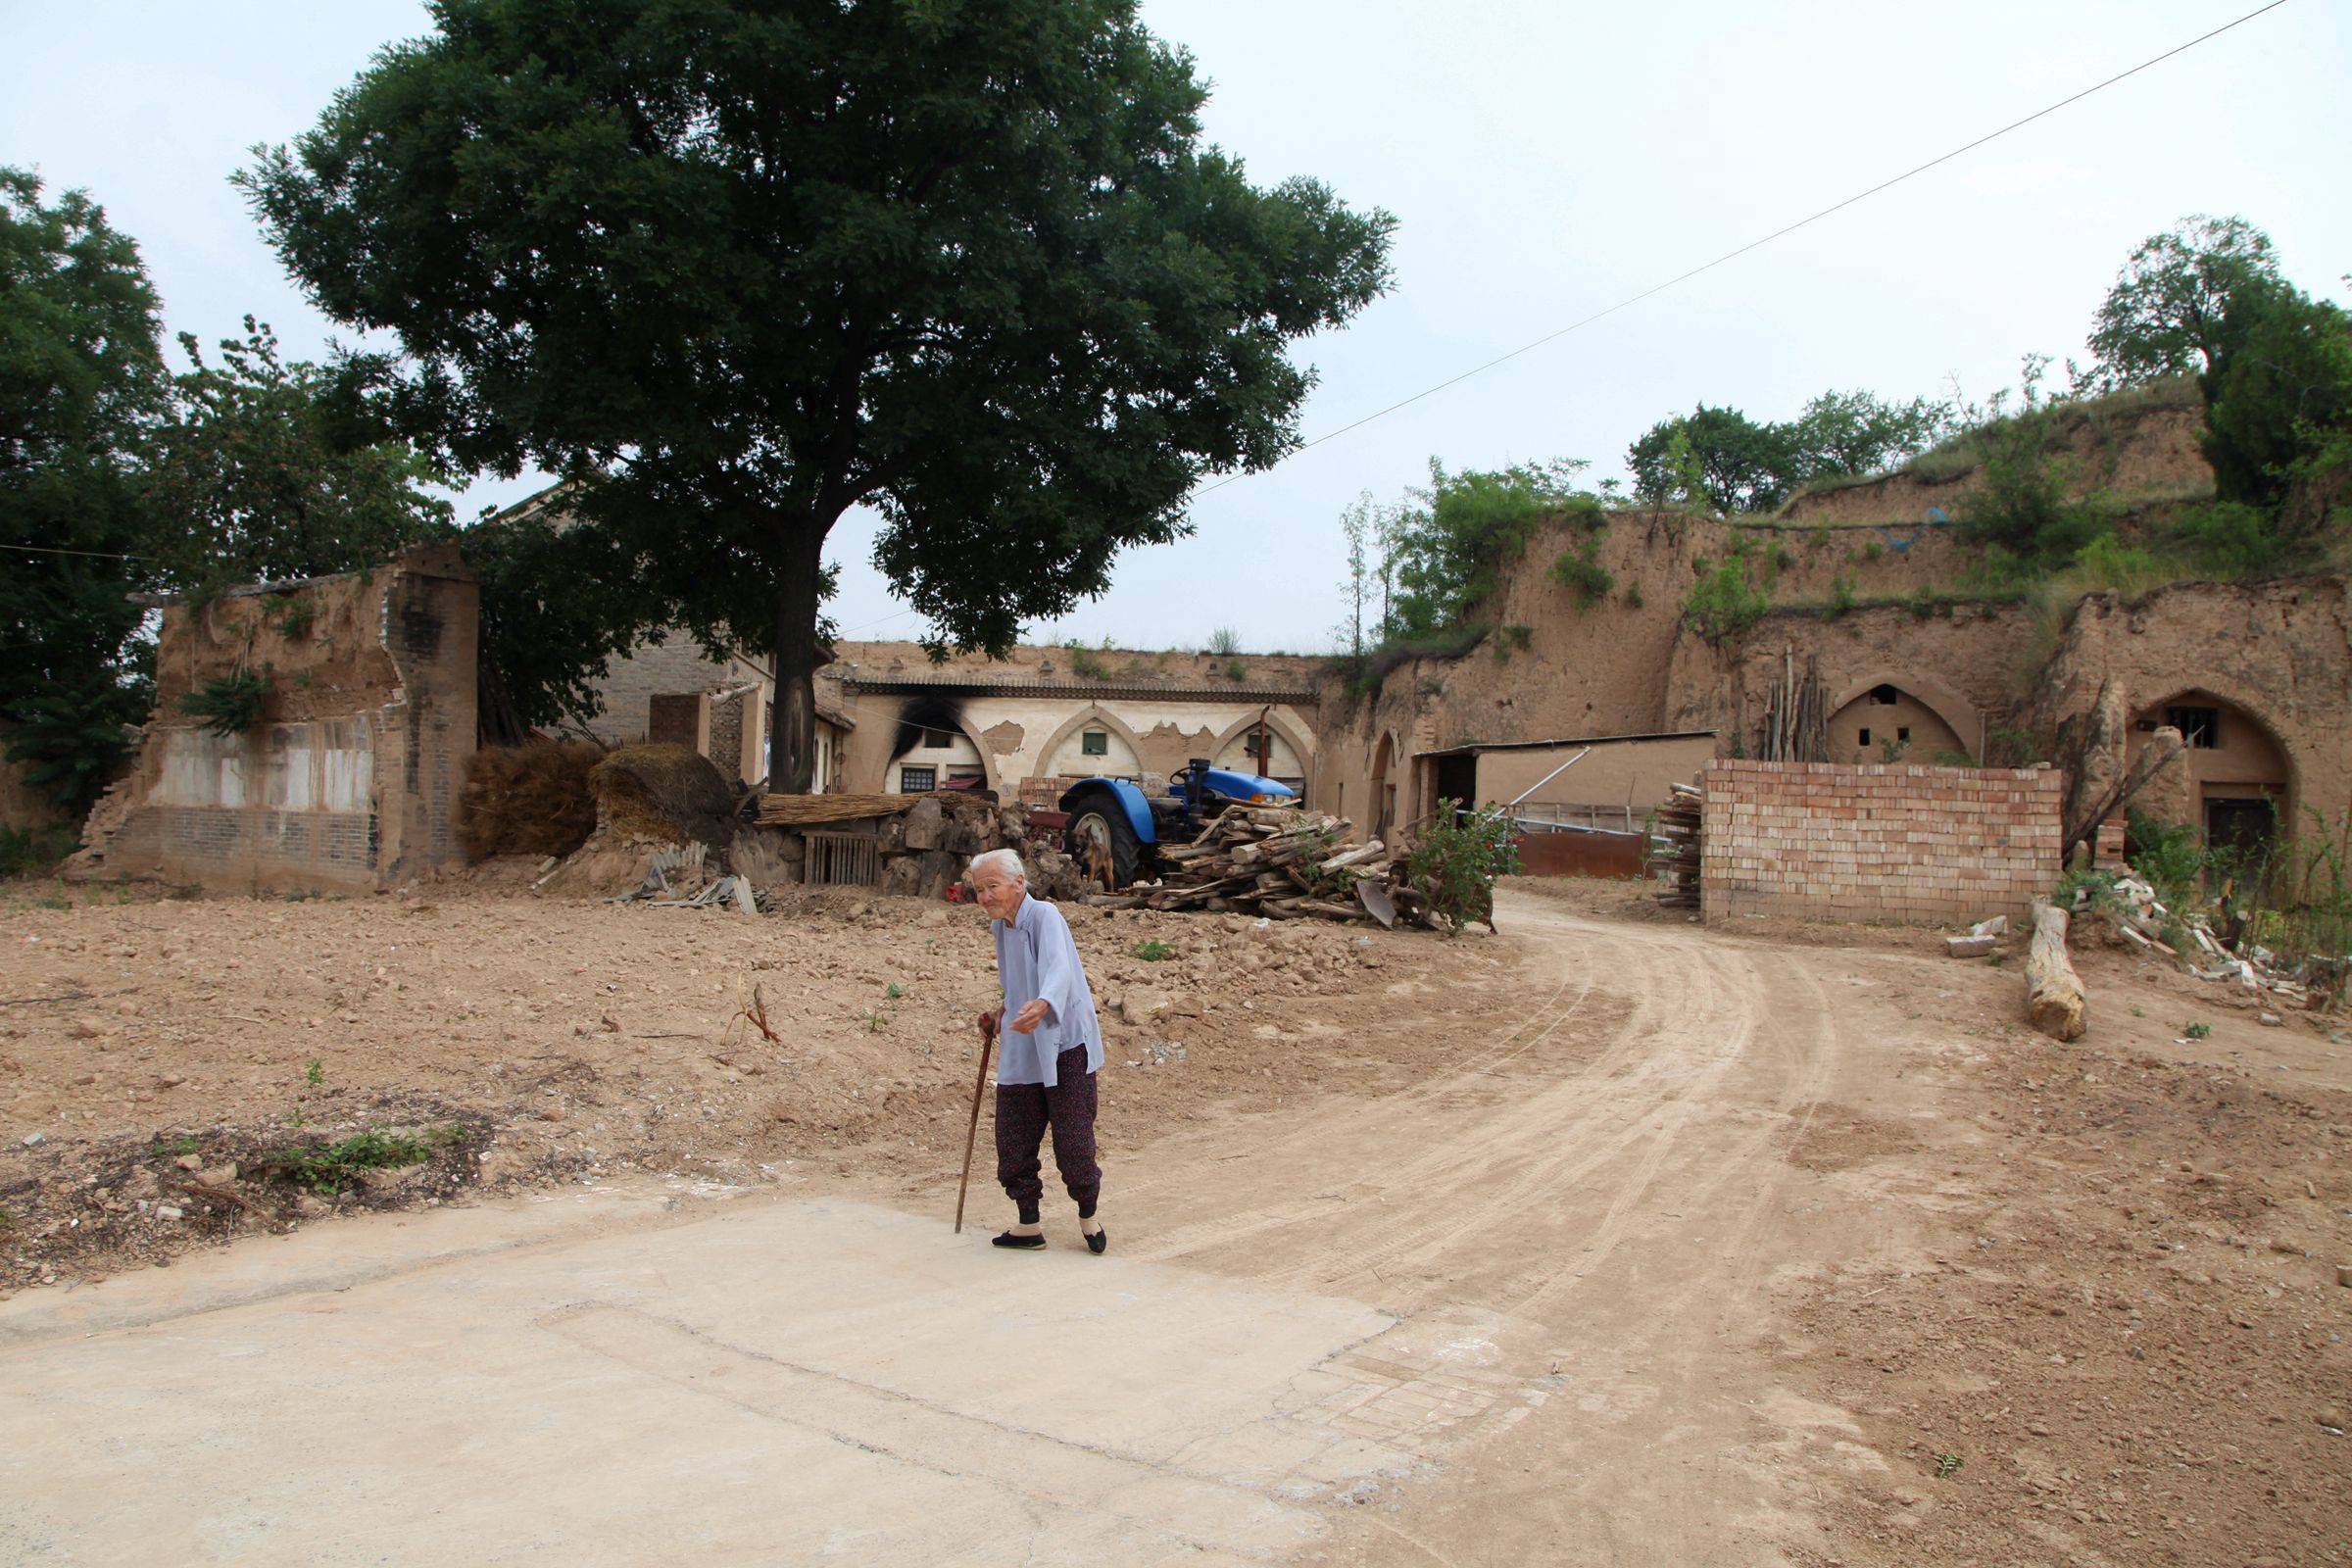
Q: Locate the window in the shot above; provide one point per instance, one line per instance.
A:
(1865, 741)
(1095, 743)
(1902, 732)
(1257, 746)
(2200, 727)
(937, 739)
(1885, 696)
(917, 780)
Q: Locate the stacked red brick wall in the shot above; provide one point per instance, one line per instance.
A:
(1879, 842)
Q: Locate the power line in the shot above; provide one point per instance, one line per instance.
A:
(104, 556)
(1778, 233)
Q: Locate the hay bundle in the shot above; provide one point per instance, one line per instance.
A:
(528, 799)
(662, 793)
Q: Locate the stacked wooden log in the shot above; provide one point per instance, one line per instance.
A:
(1675, 840)
(1280, 862)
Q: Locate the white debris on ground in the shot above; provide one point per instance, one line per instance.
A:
(2135, 912)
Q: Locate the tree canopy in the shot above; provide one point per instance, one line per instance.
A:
(2165, 313)
(1731, 463)
(1448, 546)
(81, 380)
(735, 269)
(263, 474)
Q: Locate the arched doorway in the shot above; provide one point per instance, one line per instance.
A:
(1885, 723)
(2237, 780)
(1284, 752)
(1092, 743)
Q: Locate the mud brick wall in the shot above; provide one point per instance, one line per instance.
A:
(351, 781)
(1877, 841)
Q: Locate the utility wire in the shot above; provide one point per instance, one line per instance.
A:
(59, 550)
(1778, 233)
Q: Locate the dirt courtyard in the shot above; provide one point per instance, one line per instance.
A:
(1611, 1238)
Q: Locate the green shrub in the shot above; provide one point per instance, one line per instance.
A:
(2228, 539)
(1084, 665)
(2170, 856)
(1457, 859)
(290, 615)
(1224, 643)
(1151, 950)
(1235, 671)
(1512, 639)
(1841, 595)
(33, 851)
(1580, 572)
(1633, 595)
(337, 1167)
(232, 704)
(1724, 602)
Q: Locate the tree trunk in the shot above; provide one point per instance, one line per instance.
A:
(2053, 991)
(791, 736)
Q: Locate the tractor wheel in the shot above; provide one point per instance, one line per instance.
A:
(1104, 843)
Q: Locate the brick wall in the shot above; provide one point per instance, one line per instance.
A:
(1878, 841)
(624, 696)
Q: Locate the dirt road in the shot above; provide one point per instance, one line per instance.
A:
(1584, 1281)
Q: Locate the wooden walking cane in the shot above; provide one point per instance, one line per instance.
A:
(987, 1038)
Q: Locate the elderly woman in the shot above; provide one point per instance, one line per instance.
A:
(1053, 1048)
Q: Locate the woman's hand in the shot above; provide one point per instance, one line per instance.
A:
(1026, 1021)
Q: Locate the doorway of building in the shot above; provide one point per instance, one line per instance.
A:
(1457, 779)
(2240, 826)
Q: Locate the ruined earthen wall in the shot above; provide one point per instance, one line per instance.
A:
(1877, 841)
(1624, 663)
(2281, 652)
(351, 780)
(2149, 448)
(1961, 661)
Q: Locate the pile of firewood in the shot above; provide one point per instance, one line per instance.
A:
(1674, 847)
(1282, 863)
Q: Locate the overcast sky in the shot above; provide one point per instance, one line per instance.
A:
(1544, 161)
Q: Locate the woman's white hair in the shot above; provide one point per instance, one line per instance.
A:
(1004, 860)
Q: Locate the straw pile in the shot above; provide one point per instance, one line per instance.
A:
(528, 799)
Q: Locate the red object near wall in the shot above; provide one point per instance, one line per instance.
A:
(1613, 854)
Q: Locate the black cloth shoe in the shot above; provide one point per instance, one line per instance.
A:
(1021, 1243)
(1098, 1242)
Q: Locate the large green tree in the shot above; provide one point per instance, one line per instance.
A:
(1741, 465)
(2165, 313)
(81, 381)
(738, 267)
(267, 470)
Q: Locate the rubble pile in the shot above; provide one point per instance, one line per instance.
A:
(920, 844)
(1282, 864)
(2135, 912)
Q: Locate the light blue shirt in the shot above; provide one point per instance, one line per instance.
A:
(1036, 956)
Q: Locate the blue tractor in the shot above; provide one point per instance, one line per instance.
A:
(1115, 829)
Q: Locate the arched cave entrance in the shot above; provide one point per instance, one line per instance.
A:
(1889, 724)
(2238, 783)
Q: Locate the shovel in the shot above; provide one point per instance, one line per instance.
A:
(987, 1038)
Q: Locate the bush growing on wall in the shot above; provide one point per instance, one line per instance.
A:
(1726, 600)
